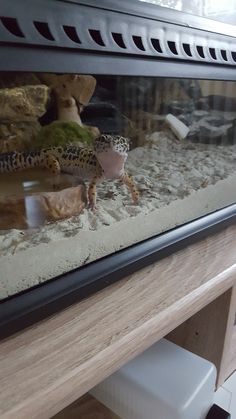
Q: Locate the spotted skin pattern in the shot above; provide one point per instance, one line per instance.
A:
(105, 161)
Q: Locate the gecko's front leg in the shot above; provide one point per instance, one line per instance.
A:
(129, 182)
(51, 163)
(92, 192)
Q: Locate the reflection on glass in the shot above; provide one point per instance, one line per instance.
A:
(223, 11)
(90, 165)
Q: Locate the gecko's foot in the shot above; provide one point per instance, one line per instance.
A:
(135, 198)
(93, 207)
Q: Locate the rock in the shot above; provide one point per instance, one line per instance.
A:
(217, 133)
(206, 126)
(213, 129)
(23, 104)
(18, 136)
(221, 103)
(73, 92)
(177, 107)
(81, 87)
(47, 206)
(65, 203)
(217, 103)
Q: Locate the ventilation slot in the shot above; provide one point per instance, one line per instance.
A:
(233, 53)
(138, 42)
(43, 29)
(187, 49)
(96, 37)
(70, 31)
(212, 53)
(118, 40)
(12, 26)
(200, 51)
(223, 54)
(172, 47)
(156, 45)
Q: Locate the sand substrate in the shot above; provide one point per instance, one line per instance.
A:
(178, 182)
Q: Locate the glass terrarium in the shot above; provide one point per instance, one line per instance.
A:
(175, 139)
(108, 161)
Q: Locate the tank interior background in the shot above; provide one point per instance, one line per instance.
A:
(179, 179)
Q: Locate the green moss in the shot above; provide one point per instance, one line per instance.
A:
(60, 133)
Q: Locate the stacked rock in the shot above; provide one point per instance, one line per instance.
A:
(20, 109)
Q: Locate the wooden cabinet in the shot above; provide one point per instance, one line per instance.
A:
(189, 296)
(211, 333)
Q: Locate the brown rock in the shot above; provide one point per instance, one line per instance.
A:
(73, 93)
(65, 203)
(81, 87)
(25, 103)
(18, 136)
(42, 207)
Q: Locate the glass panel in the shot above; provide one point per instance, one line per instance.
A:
(213, 9)
(161, 151)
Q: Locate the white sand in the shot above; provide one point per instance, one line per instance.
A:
(178, 182)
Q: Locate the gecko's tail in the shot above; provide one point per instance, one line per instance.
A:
(17, 161)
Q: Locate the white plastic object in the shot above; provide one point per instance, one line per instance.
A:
(164, 382)
(178, 127)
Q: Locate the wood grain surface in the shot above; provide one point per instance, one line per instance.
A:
(50, 365)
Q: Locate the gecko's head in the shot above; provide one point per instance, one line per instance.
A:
(111, 152)
(116, 143)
